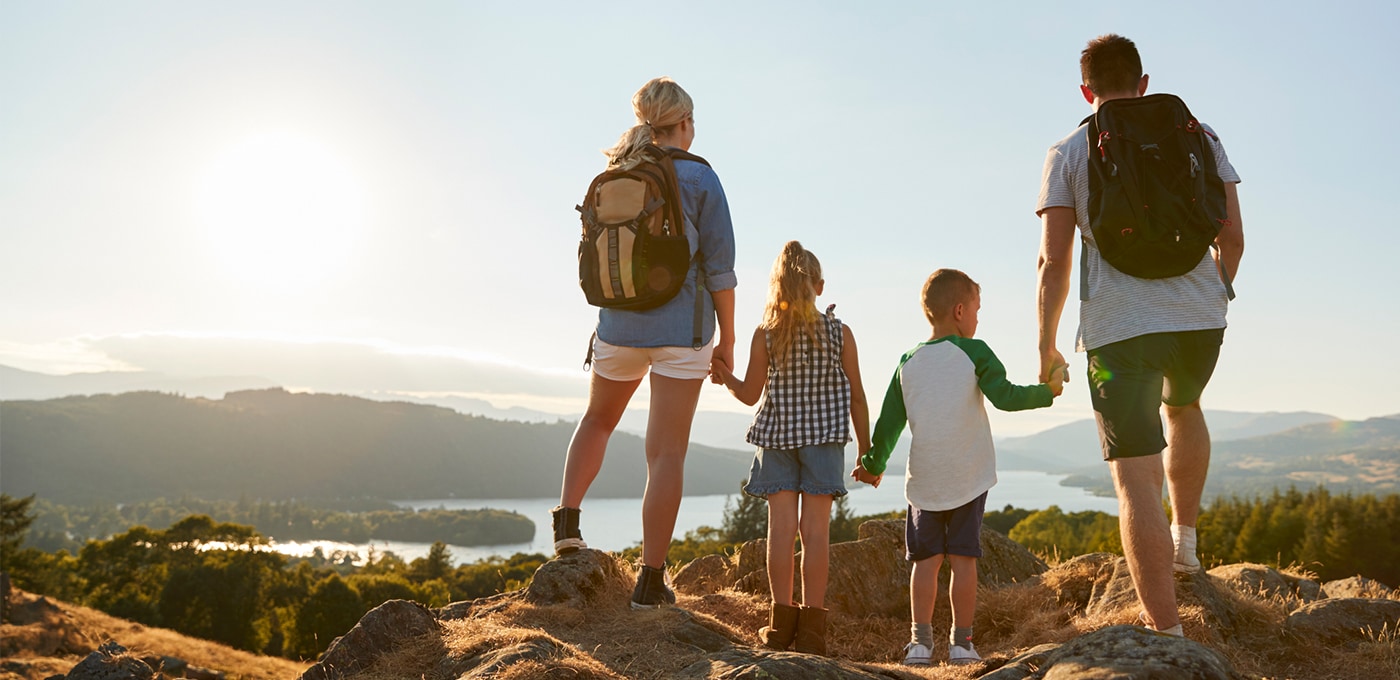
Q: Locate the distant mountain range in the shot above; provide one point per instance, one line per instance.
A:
(271, 444)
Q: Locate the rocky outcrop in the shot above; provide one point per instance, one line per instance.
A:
(383, 629)
(1115, 596)
(1358, 586)
(867, 577)
(747, 663)
(1267, 582)
(111, 661)
(1119, 653)
(579, 578)
(1345, 621)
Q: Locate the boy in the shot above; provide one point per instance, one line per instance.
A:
(938, 389)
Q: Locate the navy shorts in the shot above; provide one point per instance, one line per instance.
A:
(1129, 381)
(944, 532)
(819, 470)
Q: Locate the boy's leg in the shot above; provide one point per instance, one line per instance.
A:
(673, 403)
(923, 588)
(782, 530)
(962, 589)
(816, 548)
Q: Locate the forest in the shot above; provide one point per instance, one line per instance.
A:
(220, 581)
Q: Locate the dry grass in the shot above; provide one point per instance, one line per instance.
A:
(94, 627)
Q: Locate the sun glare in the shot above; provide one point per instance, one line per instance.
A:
(281, 209)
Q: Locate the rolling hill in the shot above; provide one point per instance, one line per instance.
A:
(272, 444)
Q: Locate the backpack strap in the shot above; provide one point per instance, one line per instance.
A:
(697, 333)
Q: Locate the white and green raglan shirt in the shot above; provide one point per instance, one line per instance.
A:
(938, 390)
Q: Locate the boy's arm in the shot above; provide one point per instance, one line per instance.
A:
(888, 428)
(991, 378)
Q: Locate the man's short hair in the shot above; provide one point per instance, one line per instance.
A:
(946, 289)
(1110, 64)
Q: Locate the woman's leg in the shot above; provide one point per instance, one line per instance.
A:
(607, 399)
(673, 403)
(816, 547)
(782, 530)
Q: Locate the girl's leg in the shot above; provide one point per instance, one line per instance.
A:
(673, 403)
(782, 530)
(923, 588)
(607, 399)
(816, 547)
(962, 589)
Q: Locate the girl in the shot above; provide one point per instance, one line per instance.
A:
(804, 365)
(629, 344)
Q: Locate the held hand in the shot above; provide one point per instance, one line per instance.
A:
(860, 474)
(1057, 381)
(719, 373)
(1051, 362)
(723, 356)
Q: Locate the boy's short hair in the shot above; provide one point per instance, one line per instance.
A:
(944, 290)
(1110, 64)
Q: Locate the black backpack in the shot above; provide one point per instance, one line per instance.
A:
(1156, 200)
(634, 254)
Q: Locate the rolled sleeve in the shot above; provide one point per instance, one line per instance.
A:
(716, 230)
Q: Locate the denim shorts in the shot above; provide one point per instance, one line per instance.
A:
(944, 532)
(819, 470)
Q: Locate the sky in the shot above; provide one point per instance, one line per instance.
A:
(378, 197)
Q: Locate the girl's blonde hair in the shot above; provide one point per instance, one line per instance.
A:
(792, 299)
(660, 105)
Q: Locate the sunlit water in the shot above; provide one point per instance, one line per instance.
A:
(615, 523)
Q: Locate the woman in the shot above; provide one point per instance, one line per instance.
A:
(629, 344)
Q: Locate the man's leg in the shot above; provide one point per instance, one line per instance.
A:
(1187, 460)
(1147, 541)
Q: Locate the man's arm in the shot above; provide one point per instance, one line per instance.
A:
(1230, 240)
(1052, 283)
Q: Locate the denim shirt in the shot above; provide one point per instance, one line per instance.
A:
(710, 231)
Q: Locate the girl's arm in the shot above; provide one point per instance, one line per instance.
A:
(750, 388)
(860, 409)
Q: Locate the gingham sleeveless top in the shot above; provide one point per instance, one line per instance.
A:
(808, 397)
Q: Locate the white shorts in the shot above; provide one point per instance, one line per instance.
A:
(630, 363)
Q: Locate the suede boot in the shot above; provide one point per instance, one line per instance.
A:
(811, 631)
(781, 628)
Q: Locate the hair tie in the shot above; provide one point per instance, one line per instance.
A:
(783, 305)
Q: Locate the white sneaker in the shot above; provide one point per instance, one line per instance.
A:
(916, 654)
(958, 655)
(1184, 550)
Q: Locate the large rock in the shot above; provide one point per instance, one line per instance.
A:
(747, 663)
(111, 661)
(379, 632)
(1358, 586)
(868, 576)
(1262, 581)
(1342, 622)
(704, 576)
(1120, 653)
(580, 578)
(1117, 597)
(1077, 581)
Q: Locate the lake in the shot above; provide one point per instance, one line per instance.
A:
(615, 523)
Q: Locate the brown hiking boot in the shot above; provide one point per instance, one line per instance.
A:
(781, 628)
(811, 631)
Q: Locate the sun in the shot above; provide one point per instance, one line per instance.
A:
(281, 209)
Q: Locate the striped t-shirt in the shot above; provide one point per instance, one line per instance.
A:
(1116, 306)
(807, 400)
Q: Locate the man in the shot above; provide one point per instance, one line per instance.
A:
(1150, 342)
